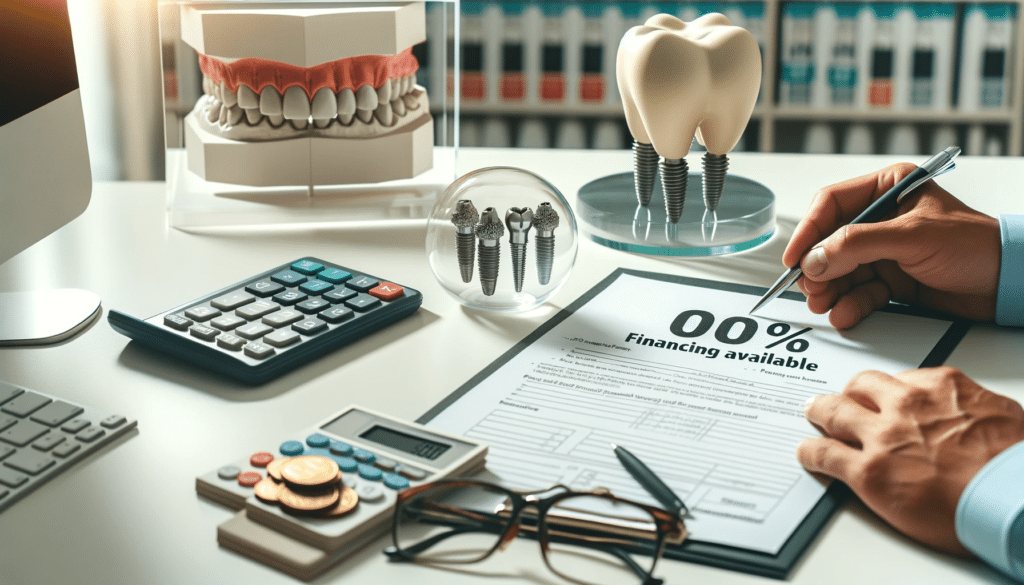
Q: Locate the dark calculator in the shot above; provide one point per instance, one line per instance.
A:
(267, 325)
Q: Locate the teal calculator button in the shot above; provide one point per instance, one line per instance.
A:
(315, 287)
(346, 464)
(370, 472)
(292, 448)
(395, 481)
(334, 275)
(339, 448)
(364, 456)
(317, 440)
(307, 267)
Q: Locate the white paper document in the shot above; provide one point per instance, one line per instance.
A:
(707, 396)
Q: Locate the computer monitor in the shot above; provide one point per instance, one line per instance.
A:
(45, 180)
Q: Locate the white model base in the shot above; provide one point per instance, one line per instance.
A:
(311, 160)
(44, 317)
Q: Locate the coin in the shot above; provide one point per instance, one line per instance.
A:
(347, 500)
(274, 468)
(307, 502)
(309, 471)
(267, 490)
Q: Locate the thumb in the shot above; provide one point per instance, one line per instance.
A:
(853, 245)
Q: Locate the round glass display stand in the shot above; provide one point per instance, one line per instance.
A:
(483, 268)
(610, 215)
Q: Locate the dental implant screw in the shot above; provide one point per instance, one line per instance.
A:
(489, 232)
(645, 170)
(518, 220)
(674, 173)
(715, 167)
(465, 218)
(545, 221)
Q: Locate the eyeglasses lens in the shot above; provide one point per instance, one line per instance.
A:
(457, 523)
(587, 538)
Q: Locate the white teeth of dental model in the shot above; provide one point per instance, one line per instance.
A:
(385, 114)
(346, 106)
(247, 98)
(411, 101)
(384, 92)
(295, 105)
(682, 80)
(398, 106)
(253, 116)
(270, 102)
(366, 103)
(229, 97)
(324, 107)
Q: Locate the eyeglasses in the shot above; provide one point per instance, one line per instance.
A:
(585, 537)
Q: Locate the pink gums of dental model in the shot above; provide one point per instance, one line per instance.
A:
(350, 73)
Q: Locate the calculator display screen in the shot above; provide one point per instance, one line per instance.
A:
(417, 446)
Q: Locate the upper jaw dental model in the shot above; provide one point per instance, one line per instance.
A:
(307, 94)
(681, 80)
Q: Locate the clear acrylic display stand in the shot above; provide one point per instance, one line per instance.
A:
(193, 201)
(610, 215)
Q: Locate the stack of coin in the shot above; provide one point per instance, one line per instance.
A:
(307, 485)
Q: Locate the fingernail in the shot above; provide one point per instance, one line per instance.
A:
(807, 405)
(815, 262)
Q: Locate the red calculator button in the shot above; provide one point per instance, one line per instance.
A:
(260, 459)
(387, 291)
(249, 478)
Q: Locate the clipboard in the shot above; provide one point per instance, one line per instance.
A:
(779, 565)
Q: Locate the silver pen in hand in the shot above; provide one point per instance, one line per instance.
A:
(933, 167)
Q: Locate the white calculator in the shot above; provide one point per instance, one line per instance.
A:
(377, 455)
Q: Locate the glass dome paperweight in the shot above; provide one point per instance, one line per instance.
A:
(501, 239)
(611, 216)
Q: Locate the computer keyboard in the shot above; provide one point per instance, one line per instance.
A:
(42, 436)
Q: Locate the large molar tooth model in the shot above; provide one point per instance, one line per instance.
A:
(681, 80)
(307, 95)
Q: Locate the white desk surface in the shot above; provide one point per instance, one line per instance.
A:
(130, 513)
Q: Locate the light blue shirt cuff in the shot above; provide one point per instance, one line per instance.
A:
(990, 513)
(1010, 296)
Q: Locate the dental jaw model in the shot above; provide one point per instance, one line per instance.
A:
(680, 81)
(307, 94)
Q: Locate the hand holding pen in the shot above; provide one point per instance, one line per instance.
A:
(932, 251)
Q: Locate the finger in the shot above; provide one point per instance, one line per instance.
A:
(822, 300)
(857, 304)
(830, 457)
(875, 390)
(841, 417)
(837, 205)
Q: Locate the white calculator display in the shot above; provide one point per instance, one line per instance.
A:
(319, 495)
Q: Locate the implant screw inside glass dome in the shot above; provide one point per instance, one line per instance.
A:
(489, 232)
(545, 221)
(465, 219)
(518, 220)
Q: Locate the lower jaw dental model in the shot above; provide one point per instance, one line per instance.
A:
(684, 80)
(267, 117)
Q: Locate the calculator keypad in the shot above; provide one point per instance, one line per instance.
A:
(268, 315)
(275, 321)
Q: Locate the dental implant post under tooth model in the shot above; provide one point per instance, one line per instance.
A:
(489, 232)
(715, 167)
(645, 170)
(674, 175)
(518, 220)
(465, 219)
(545, 221)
